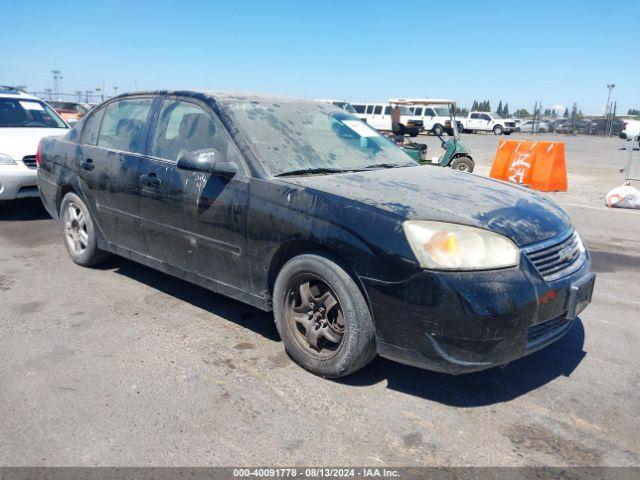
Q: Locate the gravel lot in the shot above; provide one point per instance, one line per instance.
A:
(124, 366)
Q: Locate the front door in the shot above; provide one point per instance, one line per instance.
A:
(109, 157)
(192, 220)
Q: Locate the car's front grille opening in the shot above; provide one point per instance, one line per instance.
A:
(556, 259)
(32, 189)
(30, 161)
(546, 329)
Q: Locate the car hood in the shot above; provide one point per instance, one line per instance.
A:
(20, 142)
(441, 194)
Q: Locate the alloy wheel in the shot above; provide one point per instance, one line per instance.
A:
(75, 229)
(314, 316)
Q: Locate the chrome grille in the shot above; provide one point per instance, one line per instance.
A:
(30, 161)
(558, 257)
(510, 124)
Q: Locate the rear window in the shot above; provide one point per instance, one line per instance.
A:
(377, 110)
(27, 113)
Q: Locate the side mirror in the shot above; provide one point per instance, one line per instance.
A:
(207, 161)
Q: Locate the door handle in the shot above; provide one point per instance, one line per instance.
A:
(88, 164)
(151, 180)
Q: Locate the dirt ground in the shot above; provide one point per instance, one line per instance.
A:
(122, 365)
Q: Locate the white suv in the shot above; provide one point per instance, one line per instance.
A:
(24, 121)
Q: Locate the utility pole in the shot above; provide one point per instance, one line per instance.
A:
(79, 93)
(86, 95)
(48, 91)
(57, 80)
(610, 87)
(115, 91)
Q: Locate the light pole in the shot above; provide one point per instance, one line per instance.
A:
(57, 77)
(610, 87)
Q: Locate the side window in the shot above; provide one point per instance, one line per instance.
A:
(123, 125)
(185, 127)
(387, 110)
(359, 108)
(369, 109)
(377, 110)
(475, 116)
(418, 111)
(90, 128)
(485, 117)
(431, 112)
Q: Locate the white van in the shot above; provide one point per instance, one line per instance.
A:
(435, 118)
(343, 104)
(378, 115)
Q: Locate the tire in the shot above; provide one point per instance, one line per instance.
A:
(463, 164)
(508, 133)
(343, 332)
(78, 232)
(498, 130)
(438, 129)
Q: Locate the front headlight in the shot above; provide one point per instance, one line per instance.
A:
(6, 160)
(448, 246)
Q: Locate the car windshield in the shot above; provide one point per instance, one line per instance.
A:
(17, 112)
(442, 111)
(70, 106)
(290, 136)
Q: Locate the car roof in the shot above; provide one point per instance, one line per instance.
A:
(8, 92)
(222, 97)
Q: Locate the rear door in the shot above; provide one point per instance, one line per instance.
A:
(192, 220)
(109, 160)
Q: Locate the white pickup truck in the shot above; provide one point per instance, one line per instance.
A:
(630, 129)
(488, 122)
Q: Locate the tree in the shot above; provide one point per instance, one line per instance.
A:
(505, 110)
(633, 111)
(499, 110)
(574, 111)
(566, 113)
(522, 112)
(461, 112)
(474, 107)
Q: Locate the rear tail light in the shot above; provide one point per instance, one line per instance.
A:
(39, 154)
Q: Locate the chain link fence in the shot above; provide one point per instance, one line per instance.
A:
(89, 96)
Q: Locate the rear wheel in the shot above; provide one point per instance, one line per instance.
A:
(322, 317)
(438, 129)
(463, 164)
(79, 232)
(498, 130)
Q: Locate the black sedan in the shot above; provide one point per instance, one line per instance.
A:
(301, 208)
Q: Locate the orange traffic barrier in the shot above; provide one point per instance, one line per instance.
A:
(539, 165)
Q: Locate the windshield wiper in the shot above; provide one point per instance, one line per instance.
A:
(386, 165)
(311, 171)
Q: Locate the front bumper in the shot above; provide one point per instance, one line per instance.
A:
(458, 322)
(18, 181)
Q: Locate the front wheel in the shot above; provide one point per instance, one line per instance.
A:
(438, 129)
(79, 232)
(463, 164)
(498, 130)
(322, 317)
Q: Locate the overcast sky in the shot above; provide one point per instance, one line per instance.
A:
(557, 52)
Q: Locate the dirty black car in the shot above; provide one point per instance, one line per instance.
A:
(299, 207)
